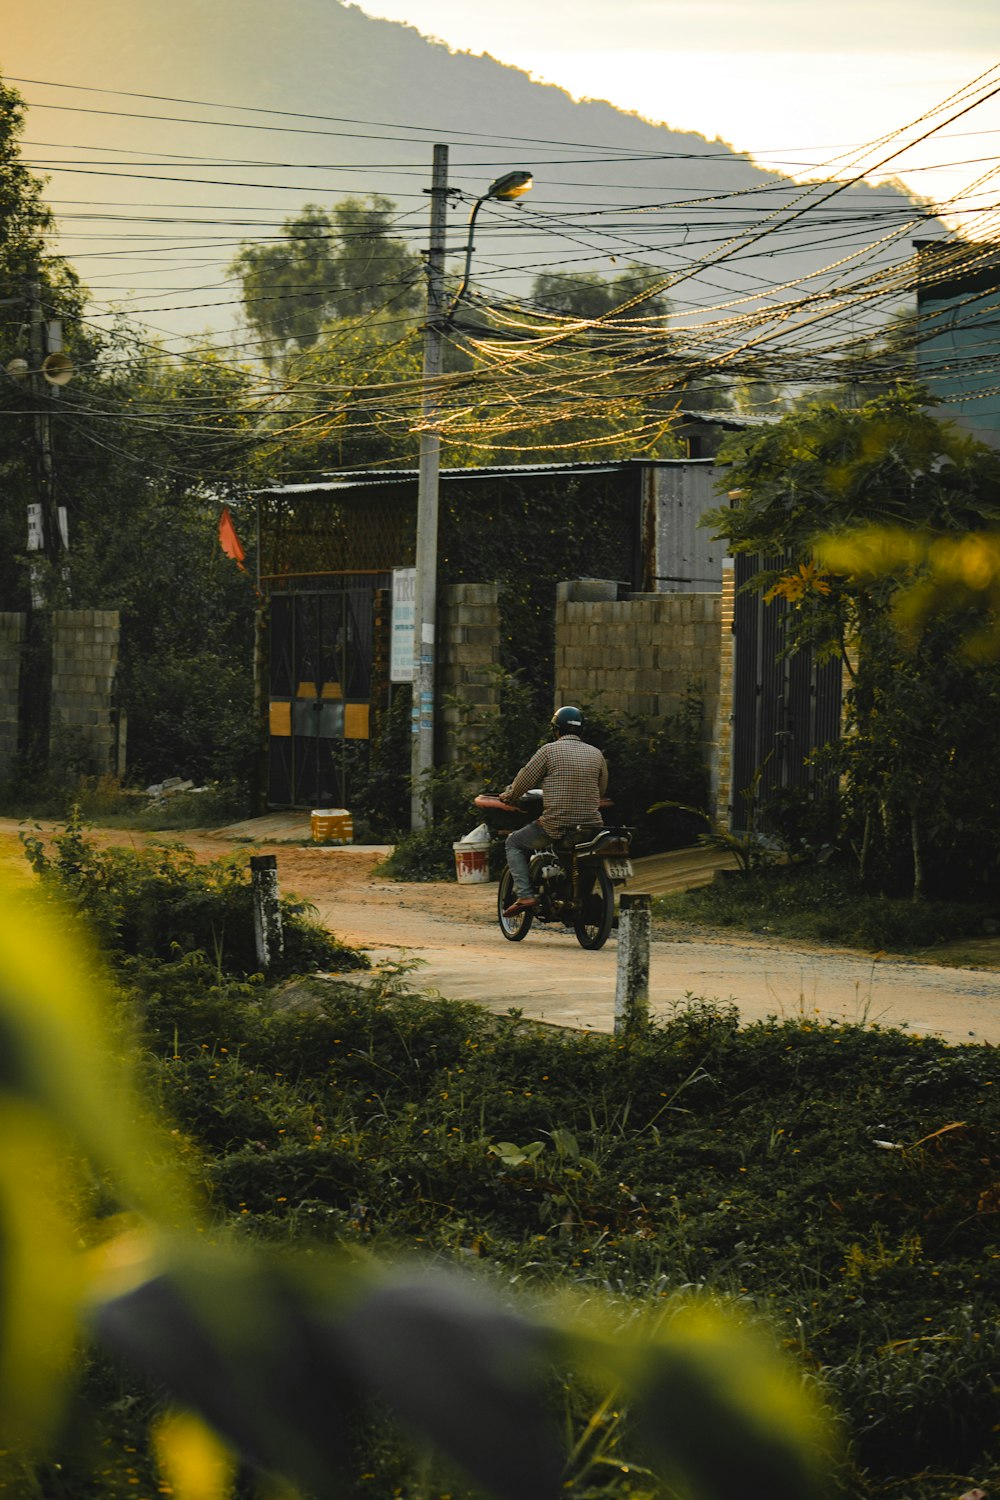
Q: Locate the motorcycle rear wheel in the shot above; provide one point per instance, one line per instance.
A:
(593, 926)
(514, 929)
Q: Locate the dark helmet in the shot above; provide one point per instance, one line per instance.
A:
(567, 720)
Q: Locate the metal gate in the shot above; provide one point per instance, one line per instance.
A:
(784, 705)
(322, 681)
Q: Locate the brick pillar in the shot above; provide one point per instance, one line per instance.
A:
(468, 658)
(84, 665)
(11, 640)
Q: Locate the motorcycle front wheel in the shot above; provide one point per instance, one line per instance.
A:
(593, 926)
(514, 929)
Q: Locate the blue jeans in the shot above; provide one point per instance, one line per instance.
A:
(531, 836)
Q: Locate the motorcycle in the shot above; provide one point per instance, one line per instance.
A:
(574, 878)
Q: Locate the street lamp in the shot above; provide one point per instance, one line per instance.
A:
(504, 189)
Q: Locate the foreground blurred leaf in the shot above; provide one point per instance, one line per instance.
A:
(40, 1276)
(721, 1413)
(279, 1361)
(58, 1052)
(191, 1459)
(934, 575)
(464, 1370)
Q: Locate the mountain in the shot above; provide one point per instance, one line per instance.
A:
(610, 187)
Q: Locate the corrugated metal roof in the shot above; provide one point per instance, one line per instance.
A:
(354, 479)
(734, 421)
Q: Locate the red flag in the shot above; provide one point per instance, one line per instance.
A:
(228, 540)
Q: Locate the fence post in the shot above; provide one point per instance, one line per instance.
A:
(267, 931)
(632, 980)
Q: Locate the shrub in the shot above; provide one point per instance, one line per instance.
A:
(156, 902)
(827, 904)
(653, 761)
(646, 759)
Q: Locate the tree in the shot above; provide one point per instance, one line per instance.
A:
(26, 222)
(586, 294)
(326, 266)
(155, 445)
(918, 710)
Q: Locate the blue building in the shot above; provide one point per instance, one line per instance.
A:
(958, 332)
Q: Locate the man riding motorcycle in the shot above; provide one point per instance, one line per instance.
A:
(573, 778)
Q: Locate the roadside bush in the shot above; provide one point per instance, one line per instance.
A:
(496, 745)
(825, 903)
(648, 760)
(154, 903)
(219, 804)
(738, 1160)
(654, 761)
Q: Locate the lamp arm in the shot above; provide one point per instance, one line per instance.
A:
(468, 258)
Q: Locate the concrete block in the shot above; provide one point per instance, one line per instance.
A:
(586, 589)
(481, 635)
(479, 593)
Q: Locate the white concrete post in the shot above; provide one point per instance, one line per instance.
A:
(632, 980)
(267, 930)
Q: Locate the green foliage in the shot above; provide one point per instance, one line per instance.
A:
(644, 756)
(494, 744)
(26, 226)
(586, 294)
(327, 265)
(213, 807)
(647, 758)
(736, 1160)
(153, 903)
(824, 902)
(299, 1361)
(922, 809)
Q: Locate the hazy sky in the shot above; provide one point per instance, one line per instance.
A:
(767, 76)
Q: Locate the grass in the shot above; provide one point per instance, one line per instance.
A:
(106, 800)
(841, 1183)
(702, 1154)
(825, 904)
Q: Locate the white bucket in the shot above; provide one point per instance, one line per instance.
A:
(472, 862)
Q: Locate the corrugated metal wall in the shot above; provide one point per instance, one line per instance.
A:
(784, 706)
(686, 559)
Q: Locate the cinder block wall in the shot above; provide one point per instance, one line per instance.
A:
(84, 664)
(11, 637)
(468, 654)
(642, 655)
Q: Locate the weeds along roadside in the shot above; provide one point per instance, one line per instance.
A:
(162, 904)
(816, 1175)
(843, 1182)
(825, 904)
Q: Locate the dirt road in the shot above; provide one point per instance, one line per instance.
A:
(452, 932)
(449, 931)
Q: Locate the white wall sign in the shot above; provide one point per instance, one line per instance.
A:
(404, 615)
(36, 536)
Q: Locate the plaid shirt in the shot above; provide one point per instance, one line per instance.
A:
(573, 777)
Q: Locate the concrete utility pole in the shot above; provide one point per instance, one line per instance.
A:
(41, 535)
(422, 743)
(49, 370)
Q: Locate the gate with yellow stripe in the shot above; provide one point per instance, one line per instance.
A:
(327, 672)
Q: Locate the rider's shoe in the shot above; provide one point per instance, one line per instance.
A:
(523, 903)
